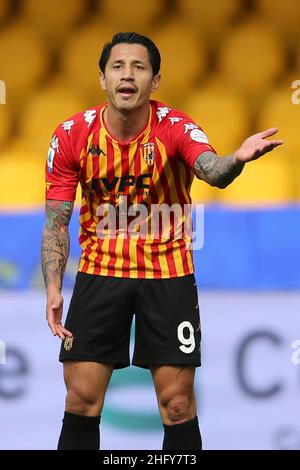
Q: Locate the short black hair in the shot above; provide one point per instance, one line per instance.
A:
(131, 38)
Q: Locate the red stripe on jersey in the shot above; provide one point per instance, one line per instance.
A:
(140, 242)
(157, 271)
(125, 250)
(110, 170)
(112, 242)
(167, 200)
(181, 197)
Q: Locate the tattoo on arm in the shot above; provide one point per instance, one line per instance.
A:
(217, 171)
(56, 241)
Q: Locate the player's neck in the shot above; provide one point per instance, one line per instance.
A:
(126, 125)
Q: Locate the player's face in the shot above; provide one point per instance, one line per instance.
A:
(128, 79)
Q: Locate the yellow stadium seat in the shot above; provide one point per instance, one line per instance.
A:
(26, 171)
(203, 193)
(208, 18)
(4, 9)
(132, 15)
(265, 181)
(53, 18)
(283, 16)
(5, 123)
(296, 170)
(44, 111)
(278, 110)
(24, 60)
(251, 58)
(222, 114)
(81, 56)
(183, 59)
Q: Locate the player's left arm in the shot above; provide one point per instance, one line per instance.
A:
(221, 171)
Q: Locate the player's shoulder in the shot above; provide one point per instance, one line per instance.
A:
(81, 123)
(166, 116)
(177, 125)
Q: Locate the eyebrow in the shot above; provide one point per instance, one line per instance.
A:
(121, 61)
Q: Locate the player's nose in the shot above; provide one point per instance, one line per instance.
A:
(127, 73)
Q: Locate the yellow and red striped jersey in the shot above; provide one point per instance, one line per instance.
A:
(153, 170)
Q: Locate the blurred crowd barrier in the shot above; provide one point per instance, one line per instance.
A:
(257, 249)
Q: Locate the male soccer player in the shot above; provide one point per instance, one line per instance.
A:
(130, 152)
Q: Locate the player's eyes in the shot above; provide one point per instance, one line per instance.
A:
(116, 66)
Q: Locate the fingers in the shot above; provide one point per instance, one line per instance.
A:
(62, 332)
(52, 328)
(267, 132)
(270, 145)
(58, 329)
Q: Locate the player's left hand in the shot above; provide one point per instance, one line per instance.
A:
(256, 145)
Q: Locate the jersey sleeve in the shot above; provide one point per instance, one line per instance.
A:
(189, 140)
(62, 168)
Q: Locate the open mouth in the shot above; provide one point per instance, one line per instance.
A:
(126, 91)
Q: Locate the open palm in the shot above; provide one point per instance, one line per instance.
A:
(256, 145)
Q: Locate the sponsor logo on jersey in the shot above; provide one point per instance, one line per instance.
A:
(148, 153)
(55, 143)
(48, 186)
(119, 183)
(89, 116)
(175, 119)
(50, 159)
(198, 136)
(189, 126)
(67, 125)
(162, 112)
(96, 150)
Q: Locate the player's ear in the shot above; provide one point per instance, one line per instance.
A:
(155, 82)
(102, 81)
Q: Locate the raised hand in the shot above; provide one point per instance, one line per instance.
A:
(256, 145)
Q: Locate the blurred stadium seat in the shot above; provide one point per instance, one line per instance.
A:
(5, 124)
(4, 9)
(252, 57)
(24, 60)
(44, 111)
(278, 110)
(221, 113)
(53, 19)
(208, 19)
(282, 16)
(183, 60)
(202, 192)
(22, 183)
(80, 57)
(134, 15)
(267, 181)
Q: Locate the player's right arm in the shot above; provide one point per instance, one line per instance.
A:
(62, 172)
(55, 252)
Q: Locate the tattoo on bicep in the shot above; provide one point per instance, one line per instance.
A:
(56, 241)
(217, 171)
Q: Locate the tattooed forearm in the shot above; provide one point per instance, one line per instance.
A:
(56, 241)
(217, 171)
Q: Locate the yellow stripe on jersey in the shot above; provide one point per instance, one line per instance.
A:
(132, 240)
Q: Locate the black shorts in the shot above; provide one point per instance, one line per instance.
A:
(167, 321)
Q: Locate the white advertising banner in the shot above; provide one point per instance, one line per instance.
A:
(248, 387)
